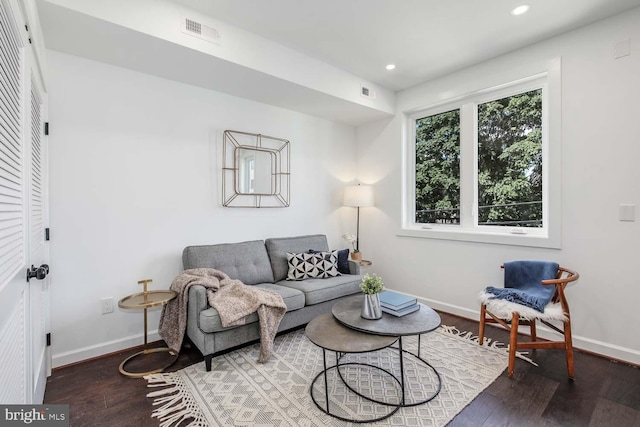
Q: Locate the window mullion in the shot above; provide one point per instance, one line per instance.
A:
(468, 165)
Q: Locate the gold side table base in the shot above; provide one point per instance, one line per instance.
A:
(174, 357)
(145, 300)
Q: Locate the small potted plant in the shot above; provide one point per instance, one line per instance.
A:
(356, 255)
(371, 286)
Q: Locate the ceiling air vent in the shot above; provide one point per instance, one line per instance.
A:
(200, 30)
(365, 92)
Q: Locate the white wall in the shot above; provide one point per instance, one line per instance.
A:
(600, 152)
(135, 177)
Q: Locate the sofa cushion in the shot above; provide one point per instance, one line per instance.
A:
(309, 265)
(245, 261)
(321, 290)
(278, 248)
(293, 299)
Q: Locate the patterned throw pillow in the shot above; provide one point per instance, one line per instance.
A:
(343, 259)
(320, 265)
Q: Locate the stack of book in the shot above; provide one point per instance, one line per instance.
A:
(397, 304)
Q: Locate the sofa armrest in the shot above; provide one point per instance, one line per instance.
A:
(354, 267)
(198, 299)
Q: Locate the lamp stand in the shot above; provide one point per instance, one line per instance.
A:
(358, 229)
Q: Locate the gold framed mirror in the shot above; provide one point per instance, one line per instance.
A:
(255, 170)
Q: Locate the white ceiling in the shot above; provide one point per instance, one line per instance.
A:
(424, 38)
(357, 38)
(96, 29)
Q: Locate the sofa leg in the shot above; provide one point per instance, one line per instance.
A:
(207, 362)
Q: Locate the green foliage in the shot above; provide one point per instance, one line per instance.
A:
(438, 168)
(371, 284)
(509, 163)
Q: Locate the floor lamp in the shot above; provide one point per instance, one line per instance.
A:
(358, 196)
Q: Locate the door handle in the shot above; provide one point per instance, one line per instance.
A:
(39, 273)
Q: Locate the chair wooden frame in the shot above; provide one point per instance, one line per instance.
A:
(564, 277)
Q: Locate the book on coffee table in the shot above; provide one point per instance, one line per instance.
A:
(395, 301)
(401, 312)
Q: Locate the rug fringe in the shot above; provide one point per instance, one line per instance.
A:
(488, 342)
(177, 403)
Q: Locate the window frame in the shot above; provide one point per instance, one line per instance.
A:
(548, 236)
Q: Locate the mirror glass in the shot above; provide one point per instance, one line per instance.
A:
(254, 171)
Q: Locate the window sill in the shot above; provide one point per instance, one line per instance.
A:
(504, 238)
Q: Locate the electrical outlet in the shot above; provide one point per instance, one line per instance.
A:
(627, 212)
(107, 305)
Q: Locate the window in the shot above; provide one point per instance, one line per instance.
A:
(437, 181)
(480, 167)
(509, 177)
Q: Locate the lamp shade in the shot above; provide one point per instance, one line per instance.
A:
(358, 195)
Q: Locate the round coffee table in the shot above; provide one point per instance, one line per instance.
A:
(325, 332)
(425, 320)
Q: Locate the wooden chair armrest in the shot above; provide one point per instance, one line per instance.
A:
(572, 276)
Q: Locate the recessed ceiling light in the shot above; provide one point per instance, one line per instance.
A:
(390, 66)
(520, 10)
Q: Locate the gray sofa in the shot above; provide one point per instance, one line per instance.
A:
(262, 264)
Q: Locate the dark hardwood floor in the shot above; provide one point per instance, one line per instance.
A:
(604, 393)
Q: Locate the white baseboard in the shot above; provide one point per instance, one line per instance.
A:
(85, 353)
(579, 342)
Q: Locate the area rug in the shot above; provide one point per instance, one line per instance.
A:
(239, 391)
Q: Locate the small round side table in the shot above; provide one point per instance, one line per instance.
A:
(146, 300)
(330, 335)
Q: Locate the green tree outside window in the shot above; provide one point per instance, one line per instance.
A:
(438, 168)
(510, 161)
(509, 180)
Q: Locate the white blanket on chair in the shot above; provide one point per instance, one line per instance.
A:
(504, 309)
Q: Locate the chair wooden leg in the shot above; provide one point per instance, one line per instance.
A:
(483, 311)
(532, 325)
(513, 342)
(568, 347)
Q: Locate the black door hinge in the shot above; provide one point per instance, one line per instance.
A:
(46, 234)
(49, 339)
(46, 128)
(26, 27)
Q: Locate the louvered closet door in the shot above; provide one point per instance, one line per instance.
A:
(38, 289)
(15, 369)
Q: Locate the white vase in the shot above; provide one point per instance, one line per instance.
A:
(371, 307)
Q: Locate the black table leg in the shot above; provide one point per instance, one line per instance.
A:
(326, 384)
(401, 369)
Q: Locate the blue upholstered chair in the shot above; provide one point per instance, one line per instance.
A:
(533, 290)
